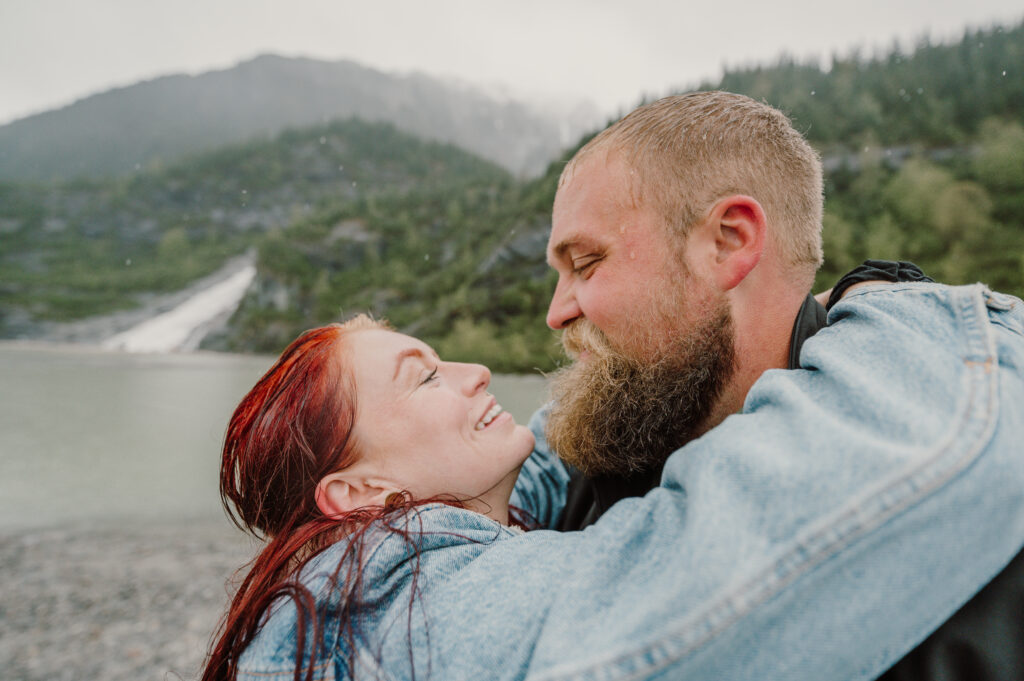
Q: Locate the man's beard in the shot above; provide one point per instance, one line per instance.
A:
(617, 415)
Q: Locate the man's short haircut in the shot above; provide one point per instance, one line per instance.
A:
(689, 151)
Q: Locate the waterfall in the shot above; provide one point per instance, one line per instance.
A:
(181, 328)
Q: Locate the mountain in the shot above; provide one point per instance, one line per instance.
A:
(157, 122)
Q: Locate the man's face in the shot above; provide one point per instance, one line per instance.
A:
(653, 344)
(616, 266)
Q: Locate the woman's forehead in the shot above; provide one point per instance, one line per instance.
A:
(384, 341)
(377, 355)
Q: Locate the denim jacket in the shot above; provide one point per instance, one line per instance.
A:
(849, 509)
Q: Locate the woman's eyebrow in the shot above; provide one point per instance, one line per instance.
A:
(404, 355)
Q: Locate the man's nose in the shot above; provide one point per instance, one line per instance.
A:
(563, 308)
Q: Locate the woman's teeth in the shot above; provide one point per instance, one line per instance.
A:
(488, 417)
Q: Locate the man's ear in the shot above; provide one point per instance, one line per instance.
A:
(739, 229)
(345, 491)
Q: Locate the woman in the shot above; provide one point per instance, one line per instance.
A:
(346, 444)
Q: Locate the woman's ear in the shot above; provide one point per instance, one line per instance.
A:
(345, 491)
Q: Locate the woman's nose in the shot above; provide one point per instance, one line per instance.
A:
(478, 377)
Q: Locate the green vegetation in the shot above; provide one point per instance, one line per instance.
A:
(78, 249)
(924, 156)
(962, 220)
(937, 95)
(461, 266)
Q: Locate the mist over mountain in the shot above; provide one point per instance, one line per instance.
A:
(156, 122)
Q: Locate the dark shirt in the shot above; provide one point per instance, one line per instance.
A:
(983, 641)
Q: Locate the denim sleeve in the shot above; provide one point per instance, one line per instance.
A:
(541, 487)
(822, 533)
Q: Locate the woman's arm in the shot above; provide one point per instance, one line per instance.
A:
(850, 509)
(541, 486)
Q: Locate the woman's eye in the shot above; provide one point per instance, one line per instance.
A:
(431, 377)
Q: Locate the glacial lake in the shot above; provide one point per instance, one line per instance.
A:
(94, 438)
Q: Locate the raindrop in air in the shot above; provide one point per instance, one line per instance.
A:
(812, 93)
(323, 140)
(128, 262)
(1004, 73)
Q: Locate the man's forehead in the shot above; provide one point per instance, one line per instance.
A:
(589, 211)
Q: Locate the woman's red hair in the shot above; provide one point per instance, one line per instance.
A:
(292, 429)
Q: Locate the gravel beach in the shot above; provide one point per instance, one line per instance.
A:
(112, 604)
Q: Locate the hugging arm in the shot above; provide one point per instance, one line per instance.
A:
(541, 487)
(850, 509)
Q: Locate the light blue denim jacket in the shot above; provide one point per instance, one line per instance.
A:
(820, 534)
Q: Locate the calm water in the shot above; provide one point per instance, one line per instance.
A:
(96, 437)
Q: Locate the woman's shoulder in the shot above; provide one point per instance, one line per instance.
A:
(426, 543)
(432, 528)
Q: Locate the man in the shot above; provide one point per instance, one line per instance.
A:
(686, 238)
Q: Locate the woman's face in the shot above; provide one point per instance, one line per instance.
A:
(430, 427)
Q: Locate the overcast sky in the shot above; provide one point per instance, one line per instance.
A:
(55, 51)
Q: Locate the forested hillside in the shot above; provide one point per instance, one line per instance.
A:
(460, 266)
(924, 158)
(935, 96)
(84, 248)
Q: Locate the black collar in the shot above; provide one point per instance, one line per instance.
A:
(811, 319)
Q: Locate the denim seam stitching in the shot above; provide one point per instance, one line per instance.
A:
(978, 414)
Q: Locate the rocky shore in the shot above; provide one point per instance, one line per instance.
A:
(114, 603)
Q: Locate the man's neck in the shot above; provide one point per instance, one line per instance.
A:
(763, 332)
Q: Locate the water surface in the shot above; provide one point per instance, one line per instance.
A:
(88, 436)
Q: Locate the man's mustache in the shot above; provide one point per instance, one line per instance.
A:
(583, 336)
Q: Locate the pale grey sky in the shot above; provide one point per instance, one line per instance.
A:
(55, 51)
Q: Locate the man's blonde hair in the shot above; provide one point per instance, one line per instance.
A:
(686, 152)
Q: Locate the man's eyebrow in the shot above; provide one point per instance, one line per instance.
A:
(559, 250)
